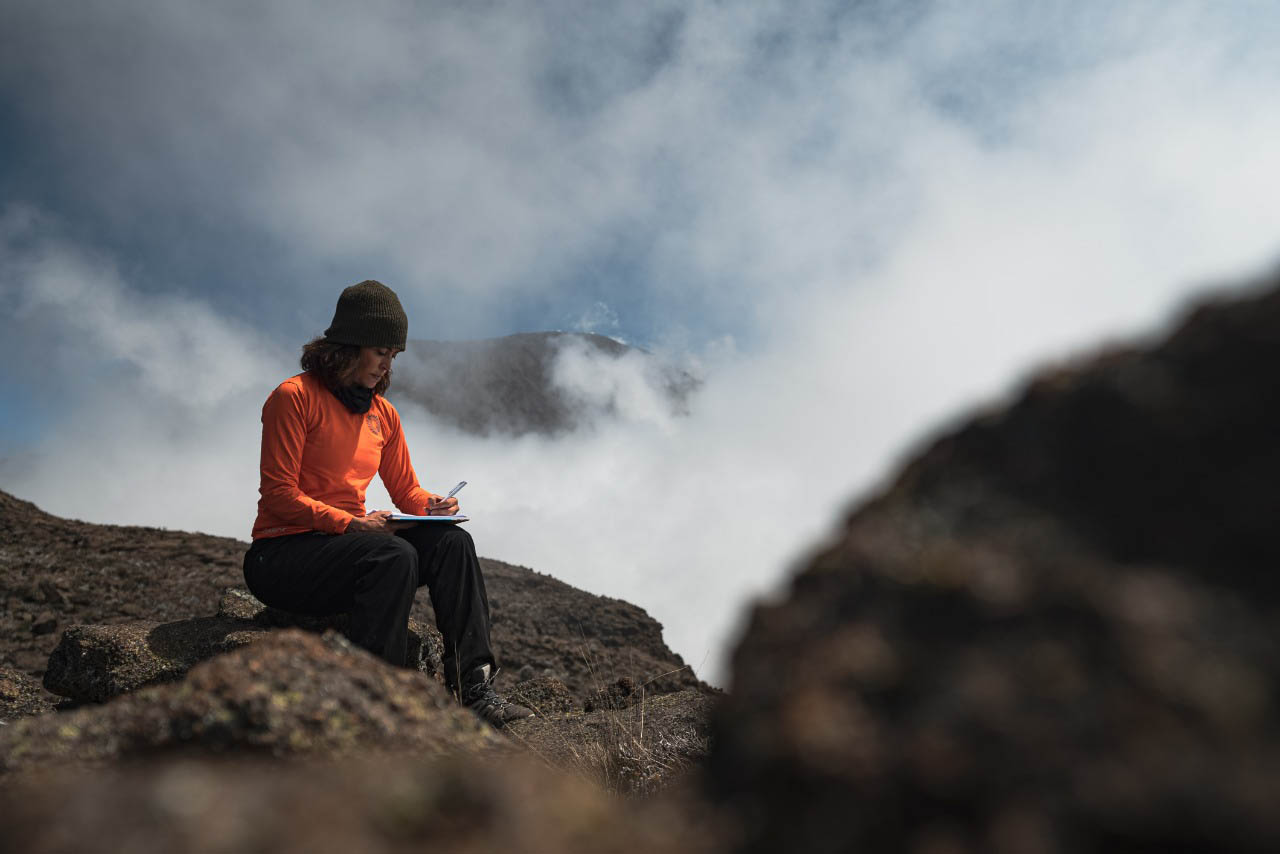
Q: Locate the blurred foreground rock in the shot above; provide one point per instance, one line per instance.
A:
(383, 805)
(1055, 632)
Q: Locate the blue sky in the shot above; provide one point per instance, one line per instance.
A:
(856, 220)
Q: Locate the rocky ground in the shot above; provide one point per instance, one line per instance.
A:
(60, 572)
(166, 652)
(1055, 631)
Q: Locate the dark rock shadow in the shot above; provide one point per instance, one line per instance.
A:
(196, 639)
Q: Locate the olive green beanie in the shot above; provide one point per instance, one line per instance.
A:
(369, 315)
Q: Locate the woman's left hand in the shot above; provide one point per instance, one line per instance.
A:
(437, 506)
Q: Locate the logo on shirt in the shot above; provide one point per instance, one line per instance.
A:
(375, 425)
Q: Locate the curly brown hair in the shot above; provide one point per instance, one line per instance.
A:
(331, 362)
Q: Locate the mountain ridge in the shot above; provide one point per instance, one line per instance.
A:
(516, 384)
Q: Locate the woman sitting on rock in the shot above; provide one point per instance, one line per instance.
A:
(325, 433)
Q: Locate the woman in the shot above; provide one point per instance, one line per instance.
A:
(325, 433)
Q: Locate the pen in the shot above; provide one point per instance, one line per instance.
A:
(455, 490)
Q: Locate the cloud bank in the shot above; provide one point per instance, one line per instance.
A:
(854, 220)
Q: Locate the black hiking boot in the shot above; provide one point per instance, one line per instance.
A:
(478, 695)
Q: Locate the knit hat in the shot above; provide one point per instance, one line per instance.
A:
(369, 315)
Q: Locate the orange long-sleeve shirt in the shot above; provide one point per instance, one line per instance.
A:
(318, 458)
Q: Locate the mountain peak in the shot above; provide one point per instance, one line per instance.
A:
(547, 383)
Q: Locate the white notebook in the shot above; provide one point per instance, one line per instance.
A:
(405, 517)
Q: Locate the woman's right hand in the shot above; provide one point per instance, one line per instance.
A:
(373, 523)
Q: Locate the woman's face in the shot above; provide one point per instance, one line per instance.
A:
(373, 365)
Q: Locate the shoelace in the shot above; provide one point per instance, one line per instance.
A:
(482, 693)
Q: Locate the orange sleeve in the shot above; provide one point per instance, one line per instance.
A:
(397, 471)
(284, 434)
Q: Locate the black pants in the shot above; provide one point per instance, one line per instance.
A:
(373, 578)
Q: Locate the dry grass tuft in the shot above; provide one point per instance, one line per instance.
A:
(626, 740)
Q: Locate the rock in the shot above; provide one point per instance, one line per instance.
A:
(44, 623)
(239, 604)
(1055, 631)
(580, 638)
(95, 663)
(20, 695)
(382, 805)
(89, 574)
(546, 695)
(291, 693)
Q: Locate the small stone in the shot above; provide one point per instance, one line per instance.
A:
(52, 595)
(44, 623)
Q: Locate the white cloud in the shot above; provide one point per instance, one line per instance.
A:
(178, 348)
(599, 318)
(904, 224)
(631, 385)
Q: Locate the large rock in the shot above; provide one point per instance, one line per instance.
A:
(381, 805)
(291, 693)
(544, 627)
(95, 663)
(67, 572)
(1056, 631)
